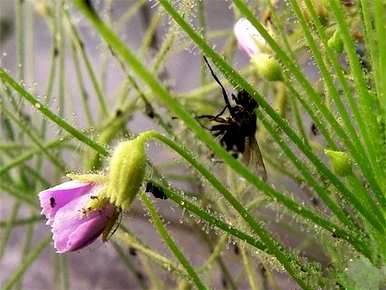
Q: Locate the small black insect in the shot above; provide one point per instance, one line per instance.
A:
(89, 5)
(149, 111)
(264, 276)
(56, 51)
(236, 249)
(132, 251)
(314, 129)
(315, 201)
(118, 113)
(52, 202)
(340, 286)
(237, 132)
(6, 28)
(155, 191)
(140, 276)
(224, 282)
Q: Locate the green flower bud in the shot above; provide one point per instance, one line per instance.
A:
(335, 42)
(127, 171)
(340, 161)
(267, 67)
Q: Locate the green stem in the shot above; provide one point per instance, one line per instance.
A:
(216, 252)
(288, 202)
(52, 74)
(370, 131)
(206, 137)
(210, 218)
(21, 222)
(359, 153)
(272, 245)
(15, 192)
(36, 139)
(381, 39)
(298, 118)
(320, 124)
(323, 193)
(129, 264)
(26, 249)
(30, 153)
(5, 77)
(89, 67)
(251, 273)
(202, 25)
(238, 81)
(138, 67)
(124, 236)
(292, 67)
(20, 40)
(331, 87)
(9, 227)
(132, 11)
(150, 33)
(62, 54)
(158, 224)
(295, 70)
(166, 47)
(15, 277)
(63, 266)
(82, 88)
(104, 60)
(365, 198)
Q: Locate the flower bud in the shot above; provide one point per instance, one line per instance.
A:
(340, 161)
(268, 67)
(335, 42)
(248, 38)
(75, 223)
(127, 171)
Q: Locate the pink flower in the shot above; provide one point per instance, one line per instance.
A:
(65, 207)
(248, 38)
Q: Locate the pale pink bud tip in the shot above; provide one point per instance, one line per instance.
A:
(248, 38)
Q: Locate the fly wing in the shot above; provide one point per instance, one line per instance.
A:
(252, 157)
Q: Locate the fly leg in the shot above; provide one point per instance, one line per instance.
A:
(224, 93)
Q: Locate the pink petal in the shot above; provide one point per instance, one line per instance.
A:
(87, 232)
(56, 197)
(72, 229)
(248, 37)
